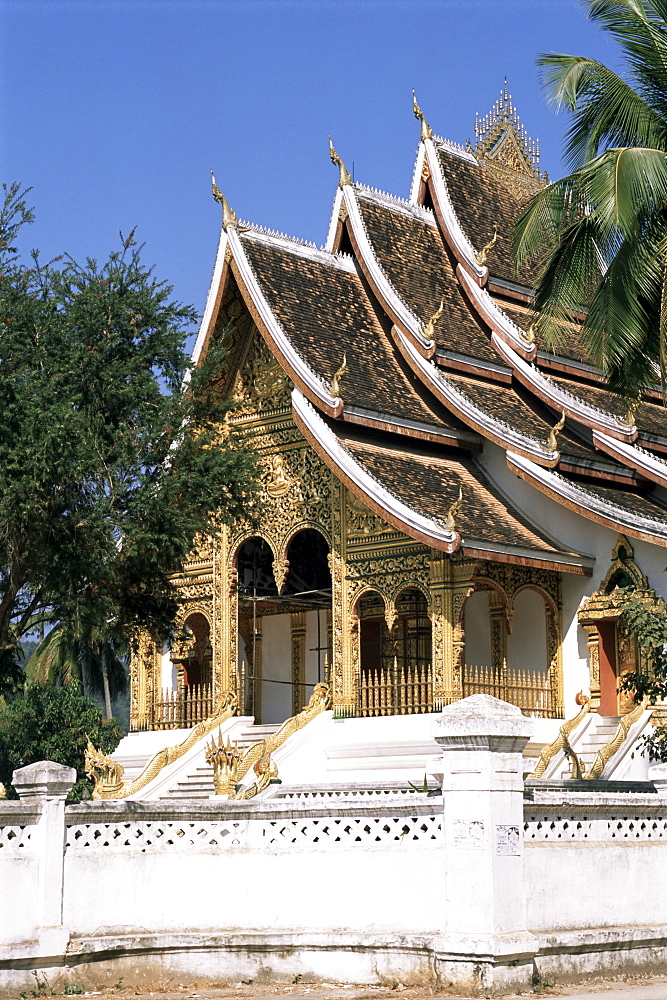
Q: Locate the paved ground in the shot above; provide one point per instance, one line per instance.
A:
(654, 988)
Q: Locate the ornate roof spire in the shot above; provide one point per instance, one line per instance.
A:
(344, 176)
(229, 220)
(501, 138)
(419, 115)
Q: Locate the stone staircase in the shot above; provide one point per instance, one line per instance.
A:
(595, 739)
(198, 784)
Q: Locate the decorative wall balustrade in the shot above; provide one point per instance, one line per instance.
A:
(182, 708)
(398, 690)
(533, 691)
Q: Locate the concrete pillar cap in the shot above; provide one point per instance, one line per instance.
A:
(43, 779)
(482, 722)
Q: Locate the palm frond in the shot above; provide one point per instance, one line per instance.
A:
(605, 109)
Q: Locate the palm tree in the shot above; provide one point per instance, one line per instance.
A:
(599, 235)
(94, 655)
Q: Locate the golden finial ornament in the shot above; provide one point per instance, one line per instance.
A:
(428, 329)
(484, 252)
(419, 115)
(552, 440)
(334, 386)
(450, 520)
(344, 174)
(628, 418)
(229, 220)
(528, 336)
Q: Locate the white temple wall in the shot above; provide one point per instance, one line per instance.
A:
(581, 535)
(169, 680)
(477, 629)
(276, 665)
(527, 642)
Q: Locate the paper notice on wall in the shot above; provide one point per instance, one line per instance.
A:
(507, 840)
(469, 833)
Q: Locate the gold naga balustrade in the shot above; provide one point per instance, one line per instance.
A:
(609, 749)
(107, 773)
(562, 741)
(230, 765)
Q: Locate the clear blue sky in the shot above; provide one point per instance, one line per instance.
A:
(115, 110)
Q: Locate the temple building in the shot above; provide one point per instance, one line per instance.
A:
(447, 506)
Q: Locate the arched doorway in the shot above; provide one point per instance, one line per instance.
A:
(284, 623)
(611, 651)
(395, 672)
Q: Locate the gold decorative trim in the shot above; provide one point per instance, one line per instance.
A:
(562, 740)
(108, 773)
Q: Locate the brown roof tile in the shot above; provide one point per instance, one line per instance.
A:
(430, 483)
(325, 312)
(483, 201)
(650, 417)
(417, 264)
(569, 347)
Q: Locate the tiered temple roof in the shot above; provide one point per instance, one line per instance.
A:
(409, 344)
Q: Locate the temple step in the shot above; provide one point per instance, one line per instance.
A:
(199, 783)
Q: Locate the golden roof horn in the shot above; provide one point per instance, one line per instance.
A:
(450, 520)
(419, 114)
(429, 328)
(484, 252)
(344, 175)
(552, 440)
(334, 386)
(229, 220)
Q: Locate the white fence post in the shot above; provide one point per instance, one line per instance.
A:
(486, 944)
(45, 785)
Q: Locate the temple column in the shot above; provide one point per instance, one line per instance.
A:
(593, 643)
(225, 615)
(255, 707)
(345, 632)
(298, 643)
(450, 583)
(498, 626)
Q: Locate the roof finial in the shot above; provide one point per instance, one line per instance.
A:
(419, 114)
(229, 220)
(344, 175)
(552, 440)
(450, 519)
(428, 328)
(334, 385)
(483, 253)
(628, 418)
(528, 336)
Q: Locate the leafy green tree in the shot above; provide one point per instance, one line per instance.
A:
(114, 450)
(53, 723)
(648, 624)
(80, 650)
(599, 235)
